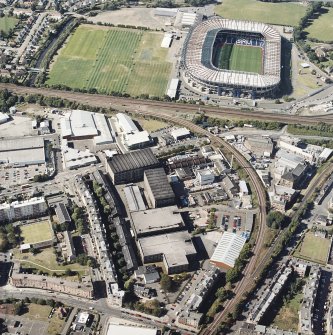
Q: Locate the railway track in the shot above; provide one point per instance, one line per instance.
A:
(130, 104)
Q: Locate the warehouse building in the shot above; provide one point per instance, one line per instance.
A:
(134, 198)
(227, 250)
(259, 146)
(129, 167)
(126, 124)
(22, 151)
(176, 250)
(158, 188)
(157, 221)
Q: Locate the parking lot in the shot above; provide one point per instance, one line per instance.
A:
(23, 326)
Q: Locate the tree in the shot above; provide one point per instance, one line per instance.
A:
(18, 308)
(275, 220)
(166, 282)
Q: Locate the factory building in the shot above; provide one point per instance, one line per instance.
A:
(130, 167)
(158, 188)
(134, 198)
(22, 151)
(176, 250)
(259, 146)
(157, 221)
(17, 210)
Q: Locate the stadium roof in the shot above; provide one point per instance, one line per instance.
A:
(228, 250)
(195, 48)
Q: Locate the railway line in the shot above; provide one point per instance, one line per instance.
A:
(163, 112)
(132, 105)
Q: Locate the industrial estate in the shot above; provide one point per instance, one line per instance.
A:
(166, 167)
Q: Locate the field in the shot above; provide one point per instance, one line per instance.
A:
(151, 125)
(45, 260)
(322, 27)
(267, 12)
(239, 58)
(112, 59)
(7, 23)
(36, 232)
(313, 248)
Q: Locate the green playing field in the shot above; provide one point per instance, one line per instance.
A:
(239, 58)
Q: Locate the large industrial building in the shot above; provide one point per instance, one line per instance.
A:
(199, 51)
(157, 221)
(81, 125)
(129, 167)
(17, 210)
(22, 151)
(158, 188)
(126, 124)
(176, 250)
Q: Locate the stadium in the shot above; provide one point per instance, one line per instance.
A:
(232, 58)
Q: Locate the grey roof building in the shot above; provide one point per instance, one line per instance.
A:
(130, 167)
(62, 213)
(158, 188)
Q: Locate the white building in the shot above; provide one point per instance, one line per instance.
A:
(126, 124)
(17, 210)
(180, 133)
(138, 140)
(74, 158)
(205, 177)
(243, 188)
(173, 88)
(4, 118)
(166, 41)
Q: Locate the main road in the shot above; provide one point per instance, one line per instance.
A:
(132, 105)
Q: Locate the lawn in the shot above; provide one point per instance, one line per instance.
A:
(46, 261)
(313, 248)
(7, 23)
(239, 58)
(267, 12)
(151, 125)
(112, 59)
(287, 318)
(36, 232)
(322, 27)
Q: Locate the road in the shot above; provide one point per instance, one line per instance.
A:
(132, 105)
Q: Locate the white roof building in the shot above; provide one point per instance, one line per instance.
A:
(126, 124)
(115, 329)
(138, 139)
(166, 42)
(243, 187)
(105, 136)
(169, 12)
(180, 133)
(228, 250)
(173, 88)
(325, 154)
(74, 158)
(4, 118)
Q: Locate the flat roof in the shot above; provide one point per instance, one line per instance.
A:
(174, 246)
(228, 249)
(103, 128)
(157, 220)
(23, 157)
(137, 138)
(133, 160)
(78, 123)
(129, 330)
(180, 132)
(159, 183)
(21, 143)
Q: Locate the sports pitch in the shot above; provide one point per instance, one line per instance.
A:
(112, 60)
(239, 58)
(36, 232)
(313, 248)
(284, 13)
